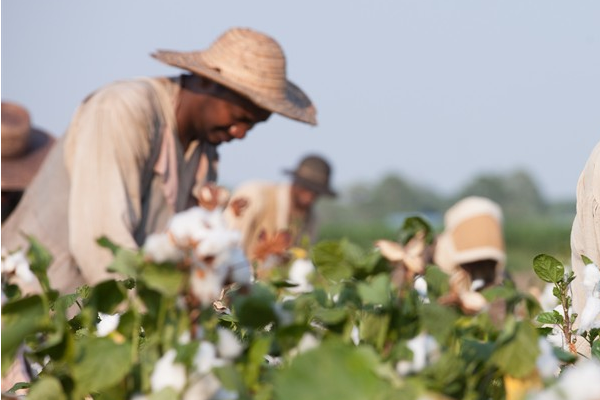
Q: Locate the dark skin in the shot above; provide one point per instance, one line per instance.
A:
(213, 113)
(303, 200)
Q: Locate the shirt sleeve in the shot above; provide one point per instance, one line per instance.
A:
(108, 145)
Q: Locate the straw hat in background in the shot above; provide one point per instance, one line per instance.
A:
(23, 147)
(253, 65)
(313, 173)
(473, 233)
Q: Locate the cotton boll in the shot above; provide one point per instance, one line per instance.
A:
(547, 299)
(228, 345)
(14, 262)
(160, 248)
(581, 380)
(206, 285)
(591, 277)
(299, 274)
(589, 314)
(204, 388)
(187, 226)
(206, 358)
(168, 373)
(547, 363)
(420, 285)
(108, 323)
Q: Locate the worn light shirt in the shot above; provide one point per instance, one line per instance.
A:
(119, 171)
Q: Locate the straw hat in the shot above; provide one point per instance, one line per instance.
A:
(314, 173)
(23, 147)
(473, 232)
(252, 64)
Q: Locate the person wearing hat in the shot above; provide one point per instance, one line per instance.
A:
(137, 151)
(585, 241)
(473, 242)
(260, 210)
(23, 150)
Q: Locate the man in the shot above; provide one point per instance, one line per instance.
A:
(279, 215)
(23, 150)
(585, 241)
(137, 151)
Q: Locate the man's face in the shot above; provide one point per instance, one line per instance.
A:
(303, 198)
(225, 116)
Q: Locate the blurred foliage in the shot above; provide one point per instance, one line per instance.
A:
(364, 213)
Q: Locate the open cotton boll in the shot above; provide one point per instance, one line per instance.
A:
(228, 345)
(580, 381)
(108, 323)
(204, 388)
(168, 373)
(589, 313)
(547, 364)
(187, 226)
(18, 264)
(160, 248)
(299, 274)
(206, 285)
(547, 299)
(206, 358)
(591, 277)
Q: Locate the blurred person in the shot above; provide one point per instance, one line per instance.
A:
(585, 241)
(138, 151)
(23, 149)
(280, 215)
(473, 241)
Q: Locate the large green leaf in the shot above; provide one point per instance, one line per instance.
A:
(548, 268)
(106, 296)
(332, 371)
(329, 259)
(20, 318)
(517, 356)
(39, 259)
(101, 363)
(438, 320)
(255, 310)
(163, 278)
(377, 291)
(46, 388)
(126, 262)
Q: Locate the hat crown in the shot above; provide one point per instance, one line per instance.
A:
(251, 59)
(314, 169)
(16, 126)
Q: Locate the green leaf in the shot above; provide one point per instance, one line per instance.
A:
(256, 358)
(550, 317)
(373, 328)
(163, 278)
(596, 349)
(102, 363)
(438, 320)
(105, 242)
(548, 268)
(20, 318)
(126, 263)
(167, 393)
(329, 259)
(256, 309)
(39, 261)
(46, 388)
(517, 356)
(331, 371)
(330, 316)
(106, 296)
(586, 260)
(377, 291)
(412, 226)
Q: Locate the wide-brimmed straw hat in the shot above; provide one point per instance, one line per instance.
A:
(314, 173)
(473, 232)
(253, 65)
(23, 147)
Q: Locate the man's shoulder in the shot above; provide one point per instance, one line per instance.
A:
(138, 87)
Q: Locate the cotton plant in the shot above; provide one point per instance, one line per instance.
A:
(201, 240)
(16, 264)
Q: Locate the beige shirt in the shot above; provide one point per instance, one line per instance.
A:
(585, 234)
(119, 171)
(268, 209)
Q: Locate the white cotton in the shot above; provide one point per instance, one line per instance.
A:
(299, 274)
(307, 342)
(168, 373)
(188, 226)
(547, 364)
(589, 314)
(547, 299)
(185, 337)
(17, 263)
(424, 349)
(206, 358)
(355, 335)
(224, 394)
(420, 285)
(204, 388)
(228, 345)
(477, 284)
(557, 338)
(581, 381)
(108, 323)
(138, 396)
(160, 248)
(591, 277)
(206, 285)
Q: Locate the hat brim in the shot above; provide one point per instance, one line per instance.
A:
(315, 187)
(295, 105)
(17, 172)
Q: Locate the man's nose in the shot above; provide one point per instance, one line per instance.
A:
(238, 131)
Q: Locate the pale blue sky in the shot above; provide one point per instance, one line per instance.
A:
(438, 91)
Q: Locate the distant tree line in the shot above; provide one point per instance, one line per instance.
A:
(364, 212)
